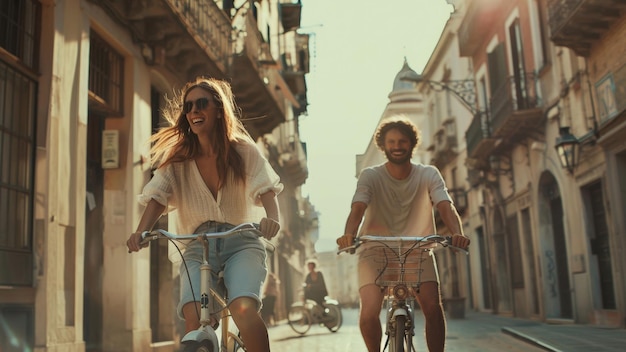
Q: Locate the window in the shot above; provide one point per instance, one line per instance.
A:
(19, 29)
(515, 253)
(106, 70)
(19, 39)
(18, 325)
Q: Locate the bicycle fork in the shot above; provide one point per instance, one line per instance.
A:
(400, 325)
(205, 332)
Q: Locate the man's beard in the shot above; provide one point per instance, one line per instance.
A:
(398, 160)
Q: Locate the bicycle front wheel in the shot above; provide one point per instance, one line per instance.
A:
(300, 319)
(195, 346)
(397, 342)
(334, 318)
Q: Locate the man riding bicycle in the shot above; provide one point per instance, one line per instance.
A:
(397, 198)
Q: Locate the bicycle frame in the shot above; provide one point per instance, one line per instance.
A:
(206, 332)
(400, 280)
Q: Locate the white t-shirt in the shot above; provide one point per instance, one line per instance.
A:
(180, 187)
(400, 207)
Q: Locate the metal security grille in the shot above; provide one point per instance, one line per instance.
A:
(17, 144)
(106, 71)
(19, 30)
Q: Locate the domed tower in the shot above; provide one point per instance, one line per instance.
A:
(404, 90)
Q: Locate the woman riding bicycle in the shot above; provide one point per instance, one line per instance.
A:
(397, 198)
(210, 170)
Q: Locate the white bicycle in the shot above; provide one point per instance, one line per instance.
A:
(204, 339)
(399, 280)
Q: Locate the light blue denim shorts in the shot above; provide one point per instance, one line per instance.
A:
(241, 257)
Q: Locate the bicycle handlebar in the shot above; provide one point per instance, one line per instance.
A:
(445, 241)
(148, 236)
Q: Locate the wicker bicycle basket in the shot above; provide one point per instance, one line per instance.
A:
(399, 265)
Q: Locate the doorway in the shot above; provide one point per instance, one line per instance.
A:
(600, 246)
(94, 227)
(554, 258)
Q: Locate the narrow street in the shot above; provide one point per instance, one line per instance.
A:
(472, 334)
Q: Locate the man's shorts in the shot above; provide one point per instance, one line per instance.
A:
(378, 266)
(241, 257)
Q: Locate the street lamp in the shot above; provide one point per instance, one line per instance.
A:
(463, 89)
(567, 148)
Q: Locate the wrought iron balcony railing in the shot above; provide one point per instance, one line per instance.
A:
(478, 135)
(515, 106)
(577, 24)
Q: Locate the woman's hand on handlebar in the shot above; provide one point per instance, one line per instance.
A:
(269, 227)
(134, 241)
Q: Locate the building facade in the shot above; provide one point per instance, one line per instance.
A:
(82, 83)
(545, 222)
(448, 109)
(522, 108)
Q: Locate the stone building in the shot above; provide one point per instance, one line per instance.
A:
(81, 86)
(543, 156)
(522, 108)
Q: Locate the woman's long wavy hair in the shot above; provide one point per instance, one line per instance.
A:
(176, 142)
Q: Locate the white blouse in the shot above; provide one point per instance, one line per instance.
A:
(180, 188)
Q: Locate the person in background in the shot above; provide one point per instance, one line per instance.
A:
(315, 286)
(270, 295)
(211, 172)
(393, 199)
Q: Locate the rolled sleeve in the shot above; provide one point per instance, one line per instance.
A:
(261, 177)
(438, 191)
(363, 191)
(158, 188)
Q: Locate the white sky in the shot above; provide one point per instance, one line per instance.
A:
(357, 47)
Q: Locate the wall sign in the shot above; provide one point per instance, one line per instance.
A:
(605, 91)
(110, 149)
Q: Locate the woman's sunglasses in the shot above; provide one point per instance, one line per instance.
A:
(201, 103)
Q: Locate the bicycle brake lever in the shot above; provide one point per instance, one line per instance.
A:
(145, 239)
(448, 243)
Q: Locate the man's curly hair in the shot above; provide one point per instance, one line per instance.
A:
(402, 124)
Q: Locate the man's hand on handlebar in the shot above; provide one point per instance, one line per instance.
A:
(346, 240)
(134, 241)
(460, 241)
(269, 228)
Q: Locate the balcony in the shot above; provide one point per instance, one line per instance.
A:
(444, 147)
(189, 36)
(294, 170)
(195, 38)
(516, 110)
(257, 84)
(578, 24)
(290, 14)
(294, 69)
(478, 21)
(289, 159)
(479, 140)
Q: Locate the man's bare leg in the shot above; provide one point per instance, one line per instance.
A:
(369, 317)
(435, 323)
